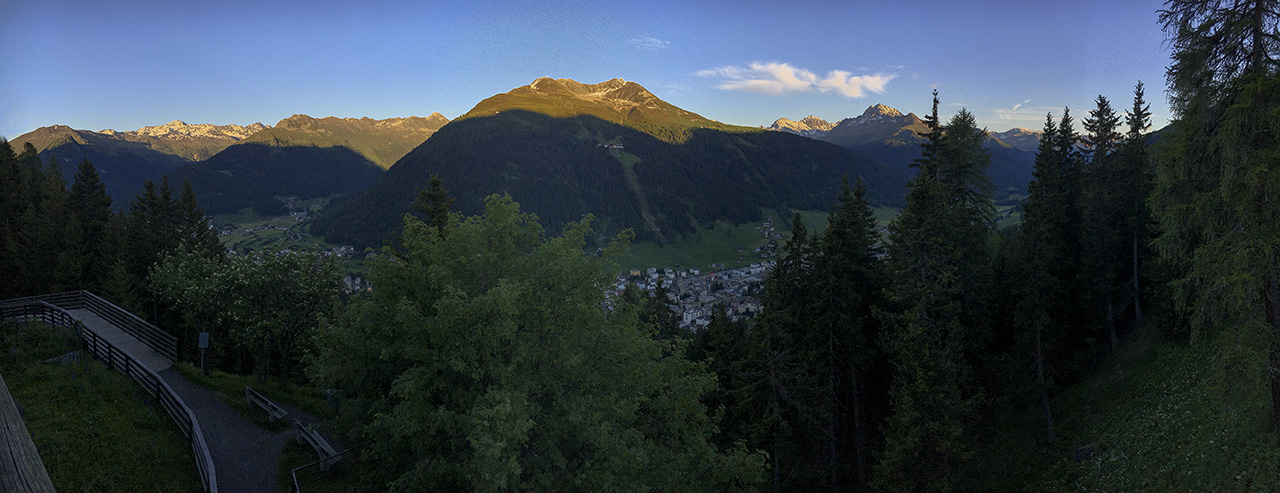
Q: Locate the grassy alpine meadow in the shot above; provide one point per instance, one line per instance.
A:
(95, 428)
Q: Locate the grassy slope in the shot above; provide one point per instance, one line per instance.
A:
(96, 429)
(1165, 417)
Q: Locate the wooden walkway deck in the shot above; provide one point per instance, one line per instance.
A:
(120, 339)
(20, 465)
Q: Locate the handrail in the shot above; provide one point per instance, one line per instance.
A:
(37, 308)
(162, 342)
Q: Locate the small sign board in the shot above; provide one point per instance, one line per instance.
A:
(204, 340)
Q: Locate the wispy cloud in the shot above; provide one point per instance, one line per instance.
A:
(781, 78)
(650, 43)
(1021, 112)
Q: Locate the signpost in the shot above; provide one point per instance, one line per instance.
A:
(203, 343)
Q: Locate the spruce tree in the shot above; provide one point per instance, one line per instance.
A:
(1137, 185)
(13, 207)
(91, 207)
(938, 265)
(847, 285)
(1103, 218)
(194, 231)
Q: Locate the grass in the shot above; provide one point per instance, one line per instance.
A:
(230, 390)
(95, 428)
(1162, 415)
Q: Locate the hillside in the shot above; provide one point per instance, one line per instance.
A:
(614, 101)
(122, 164)
(560, 168)
(254, 174)
(382, 142)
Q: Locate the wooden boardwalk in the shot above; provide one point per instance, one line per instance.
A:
(121, 339)
(20, 465)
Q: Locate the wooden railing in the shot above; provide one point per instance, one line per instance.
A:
(155, 338)
(274, 411)
(36, 308)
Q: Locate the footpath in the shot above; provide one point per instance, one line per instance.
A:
(244, 453)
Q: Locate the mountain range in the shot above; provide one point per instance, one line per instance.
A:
(892, 138)
(233, 166)
(563, 149)
(560, 147)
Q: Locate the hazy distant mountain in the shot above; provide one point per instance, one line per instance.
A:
(809, 126)
(382, 142)
(1020, 138)
(563, 149)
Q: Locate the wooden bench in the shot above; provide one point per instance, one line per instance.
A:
(305, 434)
(274, 411)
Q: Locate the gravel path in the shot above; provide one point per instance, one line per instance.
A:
(244, 453)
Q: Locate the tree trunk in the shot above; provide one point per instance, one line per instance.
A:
(777, 472)
(1111, 323)
(1044, 389)
(859, 435)
(833, 407)
(1137, 287)
(1272, 304)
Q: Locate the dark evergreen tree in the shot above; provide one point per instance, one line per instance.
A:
(1136, 186)
(46, 240)
(1217, 179)
(937, 260)
(194, 230)
(434, 203)
(1103, 212)
(91, 208)
(847, 284)
(13, 206)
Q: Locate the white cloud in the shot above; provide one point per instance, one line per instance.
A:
(780, 78)
(650, 43)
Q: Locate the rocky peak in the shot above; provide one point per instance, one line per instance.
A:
(880, 110)
(809, 126)
(178, 129)
(816, 123)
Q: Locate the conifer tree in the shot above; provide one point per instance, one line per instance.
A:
(46, 235)
(434, 203)
(1217, 179)
(194, 230)
(91, 207)
(1048, 255)
(1137, 185)
(13, 207)
(847, 283)
(1103, 217)
(937, 261)
(781, 387)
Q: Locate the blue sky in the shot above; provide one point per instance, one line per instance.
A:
(124, 65)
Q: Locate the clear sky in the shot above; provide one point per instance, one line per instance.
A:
(128, 64)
